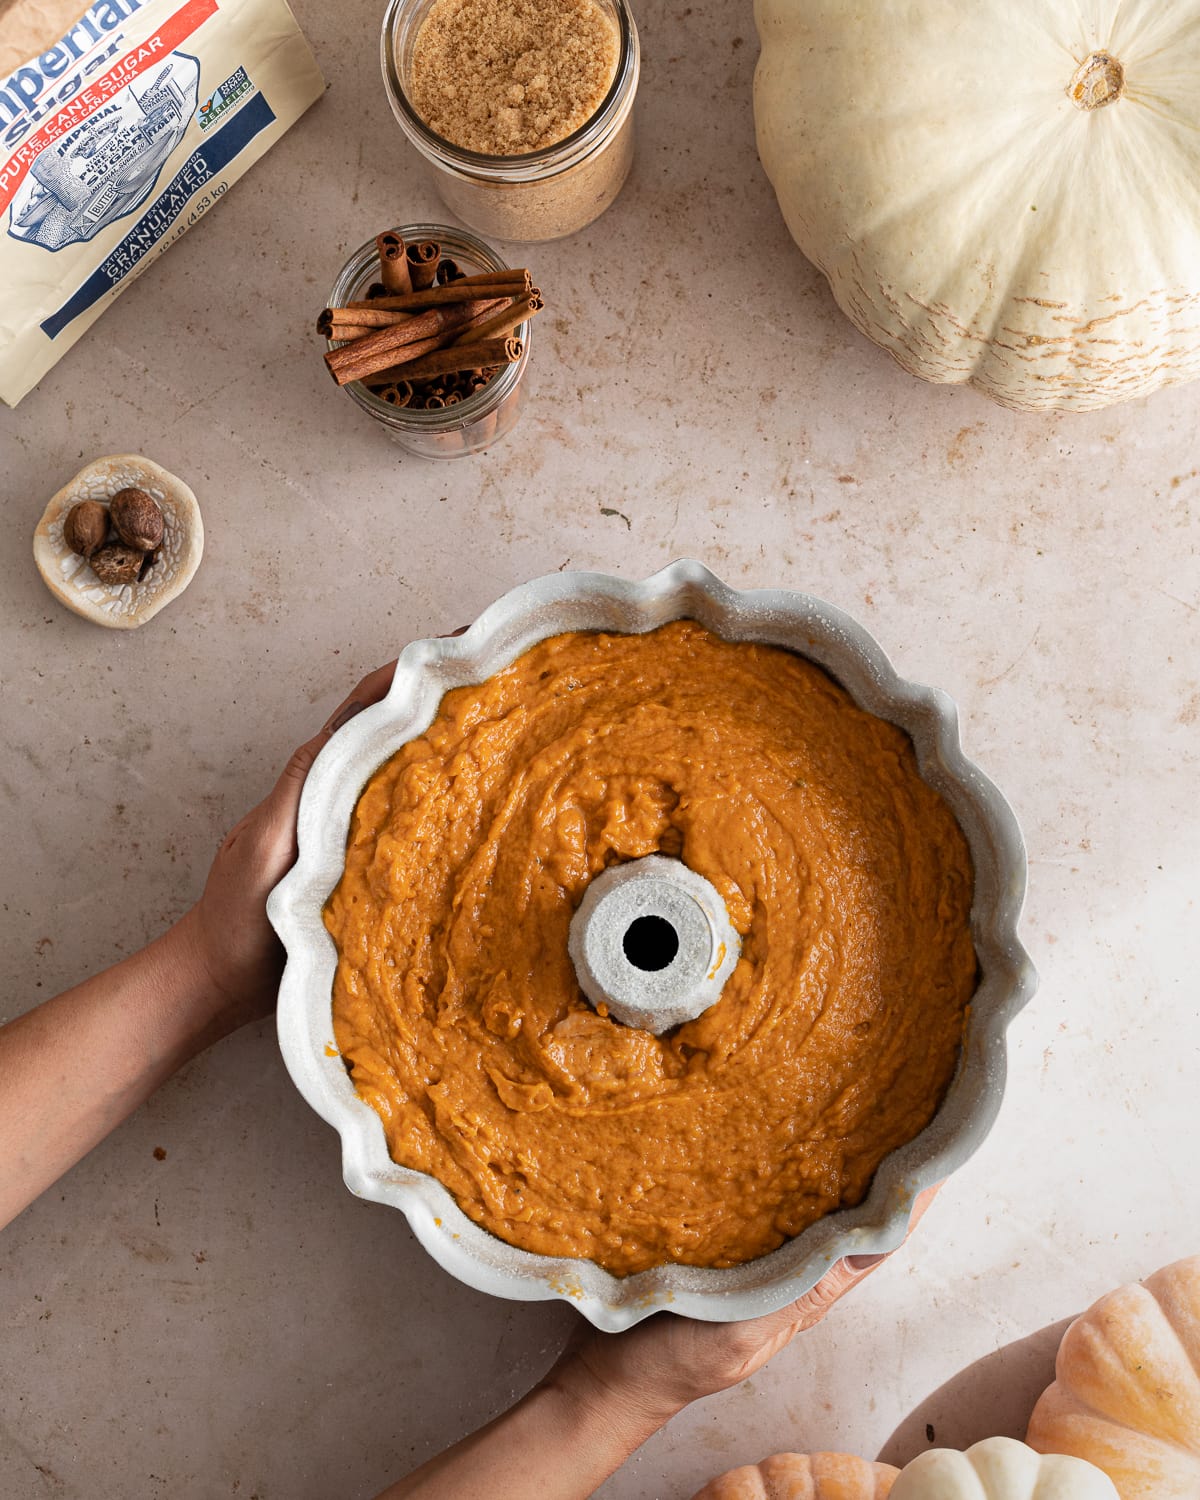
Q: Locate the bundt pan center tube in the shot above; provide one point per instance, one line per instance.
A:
(650, 938)
(652, 943)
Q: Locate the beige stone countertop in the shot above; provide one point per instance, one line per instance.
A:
(229, 1320)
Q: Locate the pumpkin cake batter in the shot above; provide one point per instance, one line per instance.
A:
(560, 1130)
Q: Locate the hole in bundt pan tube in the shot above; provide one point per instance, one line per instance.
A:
(650, 944)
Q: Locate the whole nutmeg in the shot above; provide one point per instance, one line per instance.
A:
(138, 520)
(135, 587)
(117, 564)
(86, 527)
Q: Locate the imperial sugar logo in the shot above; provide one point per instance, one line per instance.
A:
(46, 82)
(92, 61)
(106, 166)
(90, 150)
(222, 99)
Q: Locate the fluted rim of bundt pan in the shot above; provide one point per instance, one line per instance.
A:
(597, 601)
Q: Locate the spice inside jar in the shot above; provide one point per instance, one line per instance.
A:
(523, 108)
(507, 77)
(475, 407)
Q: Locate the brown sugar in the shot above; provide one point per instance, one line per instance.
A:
(505, 77)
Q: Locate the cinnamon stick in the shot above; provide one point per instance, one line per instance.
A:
(393, 262)
(512, 284)
(380, 348)
(494, 278)
(502, 322)
(361, 317)
(447, 361)
(487, 311)
(374, 369)
(344, 331)
(422, 263)
(405, 356)
(396, 393)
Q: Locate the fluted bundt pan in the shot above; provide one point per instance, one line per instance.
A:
(594, 601)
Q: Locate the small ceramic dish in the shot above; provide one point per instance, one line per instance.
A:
(69, 577)
(594, 601)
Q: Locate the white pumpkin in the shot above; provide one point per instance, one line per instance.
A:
(1000, 1469)
(1002, 194)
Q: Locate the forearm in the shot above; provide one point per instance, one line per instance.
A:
(74, 1068)
(553, 1444)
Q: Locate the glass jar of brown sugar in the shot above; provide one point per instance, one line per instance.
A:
(530, 148)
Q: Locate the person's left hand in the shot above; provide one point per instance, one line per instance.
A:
(658, 1367)
(228, 930)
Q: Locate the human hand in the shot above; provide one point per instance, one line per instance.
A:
(74, 1067)
(657, 1368)
(227, 930)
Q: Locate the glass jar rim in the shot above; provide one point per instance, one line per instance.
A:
(530, 164)
(462, 413)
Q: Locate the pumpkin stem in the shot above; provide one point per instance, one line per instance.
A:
(1098, 80)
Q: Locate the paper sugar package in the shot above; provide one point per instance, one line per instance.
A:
(121, 124)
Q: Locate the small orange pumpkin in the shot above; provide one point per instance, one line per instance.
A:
(1126, 1394)
(804, 1476)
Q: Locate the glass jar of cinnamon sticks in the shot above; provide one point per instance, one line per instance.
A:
(467, 410)
(499, 182)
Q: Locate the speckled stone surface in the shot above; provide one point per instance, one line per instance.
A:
(228, 1320)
